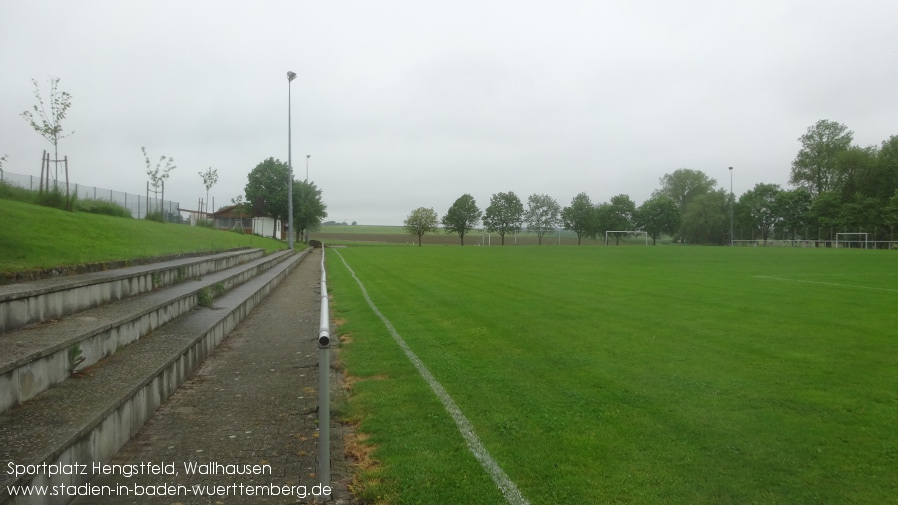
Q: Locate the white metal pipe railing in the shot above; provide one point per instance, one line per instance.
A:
(324, 414)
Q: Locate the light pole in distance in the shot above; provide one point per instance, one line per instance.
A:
(306, 195)
(731, 206)
(290, 77)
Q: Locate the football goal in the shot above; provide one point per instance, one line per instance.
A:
(861, 240)
(627, 232)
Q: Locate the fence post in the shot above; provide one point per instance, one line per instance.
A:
(324, 414)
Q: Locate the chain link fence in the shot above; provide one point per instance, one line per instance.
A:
(138, 205)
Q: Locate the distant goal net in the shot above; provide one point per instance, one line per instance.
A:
(625, 233)
(846, 239)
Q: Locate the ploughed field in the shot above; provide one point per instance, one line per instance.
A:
(363, 234)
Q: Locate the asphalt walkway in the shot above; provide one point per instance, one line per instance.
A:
(252, 406)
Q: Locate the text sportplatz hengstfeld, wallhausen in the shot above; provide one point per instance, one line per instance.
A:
(191, 468)
(131, 470)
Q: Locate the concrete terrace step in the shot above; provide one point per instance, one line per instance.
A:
(37, 357)
(38, 301)
(88, 419)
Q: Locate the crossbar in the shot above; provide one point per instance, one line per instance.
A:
(627, 231)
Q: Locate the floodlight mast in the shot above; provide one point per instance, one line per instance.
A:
(731, 206)
(290, 77)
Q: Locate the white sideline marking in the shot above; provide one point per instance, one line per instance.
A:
(508, 488)
(825, 283)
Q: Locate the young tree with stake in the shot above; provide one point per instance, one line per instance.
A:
(210, 177)
(159, 174)
(50, 125)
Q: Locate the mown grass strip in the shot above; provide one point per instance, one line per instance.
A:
(508, 488)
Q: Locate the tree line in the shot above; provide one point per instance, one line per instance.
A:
(839, 187)
(506, 215)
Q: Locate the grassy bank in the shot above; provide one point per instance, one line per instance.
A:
(627, 375)
(36, 237)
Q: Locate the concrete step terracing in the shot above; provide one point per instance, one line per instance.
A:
(39, 356)
(88, 418)
(43, 300)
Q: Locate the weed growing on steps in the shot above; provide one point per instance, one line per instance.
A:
(75, 358)
(204, 297)
(210, 293)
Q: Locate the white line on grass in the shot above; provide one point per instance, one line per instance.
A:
(508, 488)
(771, 277)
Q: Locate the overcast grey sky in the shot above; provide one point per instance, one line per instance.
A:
(404, 104)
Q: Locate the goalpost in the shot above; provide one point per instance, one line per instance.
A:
(859, 234)
(634, 232)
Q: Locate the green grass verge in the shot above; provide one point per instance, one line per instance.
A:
(37, 237)
(628, 375)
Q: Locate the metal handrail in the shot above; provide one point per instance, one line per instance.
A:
(324, 415)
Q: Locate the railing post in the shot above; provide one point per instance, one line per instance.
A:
(324, 414)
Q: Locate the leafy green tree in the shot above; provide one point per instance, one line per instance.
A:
(658, 216)
(266, 190)
(580, 217)
(308, 208)
(759, 206)
(422, 220)
(542, 216)
(862, 214)
(816, 166)
(616, 215)
(683, 185)
(826, 214)
(888, 160)
(706, 218)
(793, 207)
(504, 215)
(890, 212)
(887, 168)
(462, 216)
(857, 171)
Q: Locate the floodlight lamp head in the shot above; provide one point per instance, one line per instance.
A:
(291, 76)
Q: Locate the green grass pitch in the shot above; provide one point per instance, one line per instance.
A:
(627, 375)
